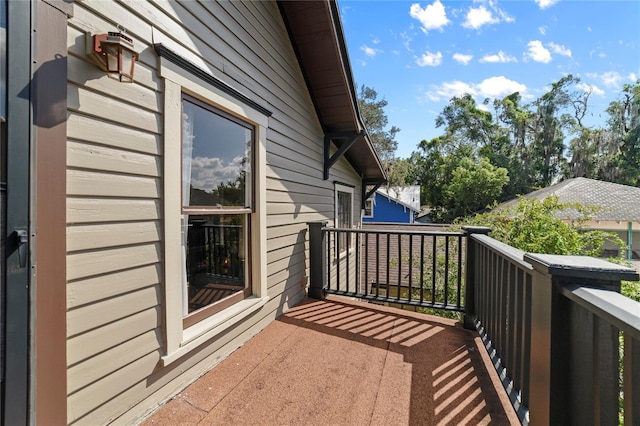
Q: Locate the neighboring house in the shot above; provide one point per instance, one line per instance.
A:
(154, 227)
(619, 207)
(394, 204)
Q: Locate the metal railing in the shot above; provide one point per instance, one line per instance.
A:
(552, 325)
(417, 268)
(215, 249)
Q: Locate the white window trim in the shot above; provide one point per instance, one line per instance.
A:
(350, 190)
(180, 341)
(347, 189)
(372, 199)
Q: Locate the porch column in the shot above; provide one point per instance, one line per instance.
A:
(469, 281)
(574, 354)
(317, 260)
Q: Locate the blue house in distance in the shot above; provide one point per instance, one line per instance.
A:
(395, 205)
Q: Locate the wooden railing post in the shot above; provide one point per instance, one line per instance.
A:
(317, 260)
(574, 355)
(469, 280)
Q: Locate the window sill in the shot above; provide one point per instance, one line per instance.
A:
(205, 330)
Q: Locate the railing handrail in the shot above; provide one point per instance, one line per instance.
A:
(616, 309)
(397, 232)
(503, 249)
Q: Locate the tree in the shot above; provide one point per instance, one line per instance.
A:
(549, 123)
(510, 148)
(624, 128)
(400, 172)
(473, 187)
(465, 123)
(454, 170)
(376, 121)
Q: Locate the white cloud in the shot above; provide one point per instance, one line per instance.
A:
(207, 173)
(449, 89)
(493, 87)
(432, 17)
(590, 88)
(560, 50)
(538, 52)
(611, 78)
(503, 15)
(429, 59)
(499, 86)
(543, 4)
(542, 30)
(462, 58)
(369, 51)
(478, 17)
(498, 57)
(633, 77)
(406, 41)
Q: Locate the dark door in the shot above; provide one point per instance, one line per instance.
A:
(15, 78)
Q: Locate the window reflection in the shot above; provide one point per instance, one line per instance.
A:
(216, 158)
(215, 258)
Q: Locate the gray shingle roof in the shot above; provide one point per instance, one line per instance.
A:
(617, 202)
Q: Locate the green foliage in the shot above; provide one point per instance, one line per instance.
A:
(537, 144)
(400, 172)
(473, 187)
(376, 121)
(533, 226)
(631, 289)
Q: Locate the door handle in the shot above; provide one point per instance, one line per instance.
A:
(22, 238)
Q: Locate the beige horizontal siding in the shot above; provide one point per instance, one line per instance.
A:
(93, 396)
(89, 183)
(107, 362)
(105, 235)
(96, 341)
(88, 317)
(115, 188)
(92, 210)
(96, 157)
(98, 131)
(97, 288)
(114, 110)
(89, 263)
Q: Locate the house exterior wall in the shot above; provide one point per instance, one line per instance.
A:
(115, 204)
(621, 229)
(385, 210)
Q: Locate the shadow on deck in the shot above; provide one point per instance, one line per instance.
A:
(336, 362)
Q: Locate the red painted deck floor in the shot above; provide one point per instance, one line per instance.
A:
(339, 362)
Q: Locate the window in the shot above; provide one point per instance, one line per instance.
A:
(344, 214)
(214, 209)
(216, 205)
(368, 207)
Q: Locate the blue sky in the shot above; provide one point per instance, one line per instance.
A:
(417, 55)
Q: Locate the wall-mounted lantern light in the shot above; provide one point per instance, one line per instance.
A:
(113, 52)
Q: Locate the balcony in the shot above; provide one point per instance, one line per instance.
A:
(539, 342)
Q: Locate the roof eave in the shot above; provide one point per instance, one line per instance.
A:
(316, 33)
